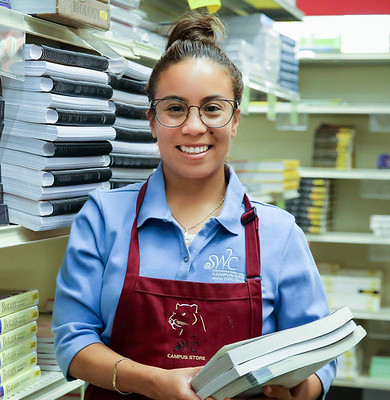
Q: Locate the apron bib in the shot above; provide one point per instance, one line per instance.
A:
(175, 324)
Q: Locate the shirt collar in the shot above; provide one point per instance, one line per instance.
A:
(155, 202)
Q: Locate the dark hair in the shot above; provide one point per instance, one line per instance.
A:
(196, 36)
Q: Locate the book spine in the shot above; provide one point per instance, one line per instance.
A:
(134, 162)
(17, 335)
(129, 111)
(74, 117)
(77, 177)
(19, 382)
(134, 135)
(19, 318)
(10, 355)
(80, 149)
(68, 206)
(19, 366)
(1, 191)
(74, 58)
(84, 89)
(127, 84)
(14, 303)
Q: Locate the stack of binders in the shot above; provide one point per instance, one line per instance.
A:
(313, 208)
(135, 153)
(55, 144)
(18, 342)
(289, 64)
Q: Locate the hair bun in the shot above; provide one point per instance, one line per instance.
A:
(194, 26)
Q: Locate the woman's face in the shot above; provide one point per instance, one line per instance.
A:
(192, 150)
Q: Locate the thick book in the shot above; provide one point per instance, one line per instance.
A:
(246, 350)
(127, 123)
(66, 57)
(21, 349)
(67, 87)
(130, 111)
(46, 68)
(18, 367)
(267, 165)
(127, 84)
(56, 149)
(60, 116)
(19, 382)
(131, 173)
(35, 161)
(18, 318)
(134, 148)
(37, 192)
(69, 205)
(137, 71)
(56, 178)
(130, 161)
(12, 300)
(45, 99)
(18, 335)
(134, 135)
(58, 133)
(130, 98)
(37, 223)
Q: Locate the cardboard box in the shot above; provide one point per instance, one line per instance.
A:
(81, 14)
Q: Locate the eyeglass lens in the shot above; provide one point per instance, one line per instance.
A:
(214, 113)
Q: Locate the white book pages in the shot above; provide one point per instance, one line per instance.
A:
(37, 223)
(35, 192)
(29, 145)
(29, 113)
(130, 98)
(35, 207)
(35, 7)
(30, 83)
(33, 176)
(51, 163)
(44, 99)
(131, 173)
(121, 122)
(58, 133)
(138, 71)
(135, 148)
(41, 68)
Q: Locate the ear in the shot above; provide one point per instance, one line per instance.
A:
(152, 121)
(235, 121)
(194, 307)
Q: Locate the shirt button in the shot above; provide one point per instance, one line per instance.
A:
(186, 259)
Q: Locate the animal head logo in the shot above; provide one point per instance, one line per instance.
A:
(185, 317)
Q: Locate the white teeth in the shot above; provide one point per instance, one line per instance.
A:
(193, 150)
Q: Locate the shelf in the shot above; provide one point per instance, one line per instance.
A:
(267, 87)
(364, 382)
(14, 235)
(309, 57)
(312, 108)
(347, 237)
(50, 386)
(356, 173)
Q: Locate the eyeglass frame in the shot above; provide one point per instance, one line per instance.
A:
(154, 102)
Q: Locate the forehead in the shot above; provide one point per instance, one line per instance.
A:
(195, 79)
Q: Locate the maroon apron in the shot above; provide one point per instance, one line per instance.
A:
(176, 324)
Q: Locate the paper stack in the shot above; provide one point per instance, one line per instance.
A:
(45, 340)
(55, 145)
(18, 342)
(333, 146)
(313, 208)
(289, 64)
(268, 176)
(283, 358)
(135, 153)
(360, 289)
(380, 225)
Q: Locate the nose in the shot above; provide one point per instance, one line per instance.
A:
(193, 124)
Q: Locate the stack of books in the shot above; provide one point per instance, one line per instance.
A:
(333, 146)
(283, 358)
(18, 342)
(380, 225)
(135, 153)
(360, 289)
(268, 176)
(45, 344)
(289, 64)
(313, 208)
(55, 144)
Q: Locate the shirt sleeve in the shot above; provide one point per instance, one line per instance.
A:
(301, 297)
(77, 321)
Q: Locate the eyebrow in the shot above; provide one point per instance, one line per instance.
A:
(208, 98)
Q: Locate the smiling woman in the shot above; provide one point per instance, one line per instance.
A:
(159, 275)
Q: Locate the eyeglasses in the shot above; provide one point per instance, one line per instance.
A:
(213, 113)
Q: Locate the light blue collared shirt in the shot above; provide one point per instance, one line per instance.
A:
(90, 280)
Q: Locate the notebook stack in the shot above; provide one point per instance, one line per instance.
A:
(45, 344)
(18, 342)
(333, 146)
(268, 176)
(55, 144)
(313, 208)
(289, 64)
(135, 153)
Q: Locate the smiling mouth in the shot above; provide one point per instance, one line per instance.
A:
(193, 149)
